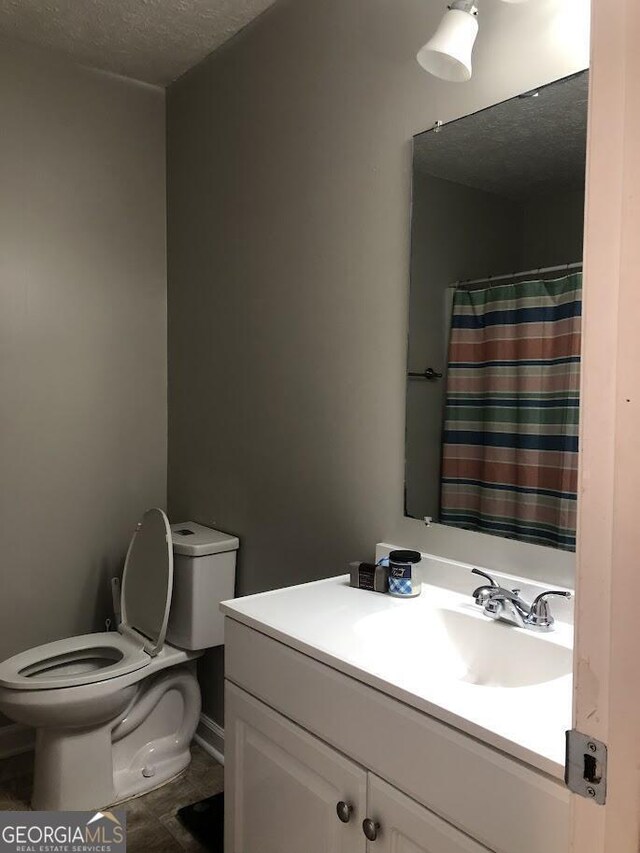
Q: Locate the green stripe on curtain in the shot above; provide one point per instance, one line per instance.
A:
(510, 440)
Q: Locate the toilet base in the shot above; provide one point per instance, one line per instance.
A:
(151, 740)
(146, 746)
(158, 782)
(131, 783)
(72, 769)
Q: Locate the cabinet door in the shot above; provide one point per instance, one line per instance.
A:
(407, 827)
(282, 785)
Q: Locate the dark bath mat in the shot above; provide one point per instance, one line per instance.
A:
(205, 821)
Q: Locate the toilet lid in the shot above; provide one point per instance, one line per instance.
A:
(147, 582)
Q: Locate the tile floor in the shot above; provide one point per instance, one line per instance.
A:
(152, 824)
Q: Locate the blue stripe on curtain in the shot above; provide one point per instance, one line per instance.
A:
(518, 315)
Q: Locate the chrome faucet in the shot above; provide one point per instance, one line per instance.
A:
(506, 605)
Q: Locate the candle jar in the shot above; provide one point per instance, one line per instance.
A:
(403, 574)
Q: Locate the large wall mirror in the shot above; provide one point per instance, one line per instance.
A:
(495, 316)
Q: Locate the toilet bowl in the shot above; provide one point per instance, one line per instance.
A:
(115, 712)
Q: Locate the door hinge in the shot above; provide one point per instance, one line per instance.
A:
(585, 769)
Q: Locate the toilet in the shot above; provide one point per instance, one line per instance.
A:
(115, 712)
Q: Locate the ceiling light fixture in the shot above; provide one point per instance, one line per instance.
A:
(447, 54)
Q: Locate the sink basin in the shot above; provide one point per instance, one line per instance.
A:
(496, 655)
(466, 647)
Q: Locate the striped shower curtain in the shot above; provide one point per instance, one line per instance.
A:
(510, 438)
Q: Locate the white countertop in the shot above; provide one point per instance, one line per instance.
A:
(405, 649)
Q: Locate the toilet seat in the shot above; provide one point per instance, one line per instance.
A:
(147, 583)
(74, 661)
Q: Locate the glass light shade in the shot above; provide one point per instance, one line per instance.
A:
(447, 54)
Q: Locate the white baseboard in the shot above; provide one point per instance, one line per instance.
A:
(210, 736)
(15, 739)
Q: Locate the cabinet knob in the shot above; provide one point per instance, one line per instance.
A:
(344, 811)
(370, 828)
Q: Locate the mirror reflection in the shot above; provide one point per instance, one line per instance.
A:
(495, 315)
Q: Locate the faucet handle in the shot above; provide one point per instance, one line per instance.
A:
(485, 576)
(540, 617)
(482, 594)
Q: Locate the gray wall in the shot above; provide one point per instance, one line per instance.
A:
(289, 167)
(553, 229)
(82, 337)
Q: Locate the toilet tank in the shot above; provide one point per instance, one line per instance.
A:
(204, 574)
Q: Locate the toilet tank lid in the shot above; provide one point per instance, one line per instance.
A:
(196, 540)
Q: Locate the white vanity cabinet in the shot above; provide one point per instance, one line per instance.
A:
(282, 786)
(302, 737)
(288, 792)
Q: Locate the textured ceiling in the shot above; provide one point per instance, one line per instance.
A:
(151, 40)
(519, 148)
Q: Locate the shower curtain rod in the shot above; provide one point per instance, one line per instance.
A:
(491, 278)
